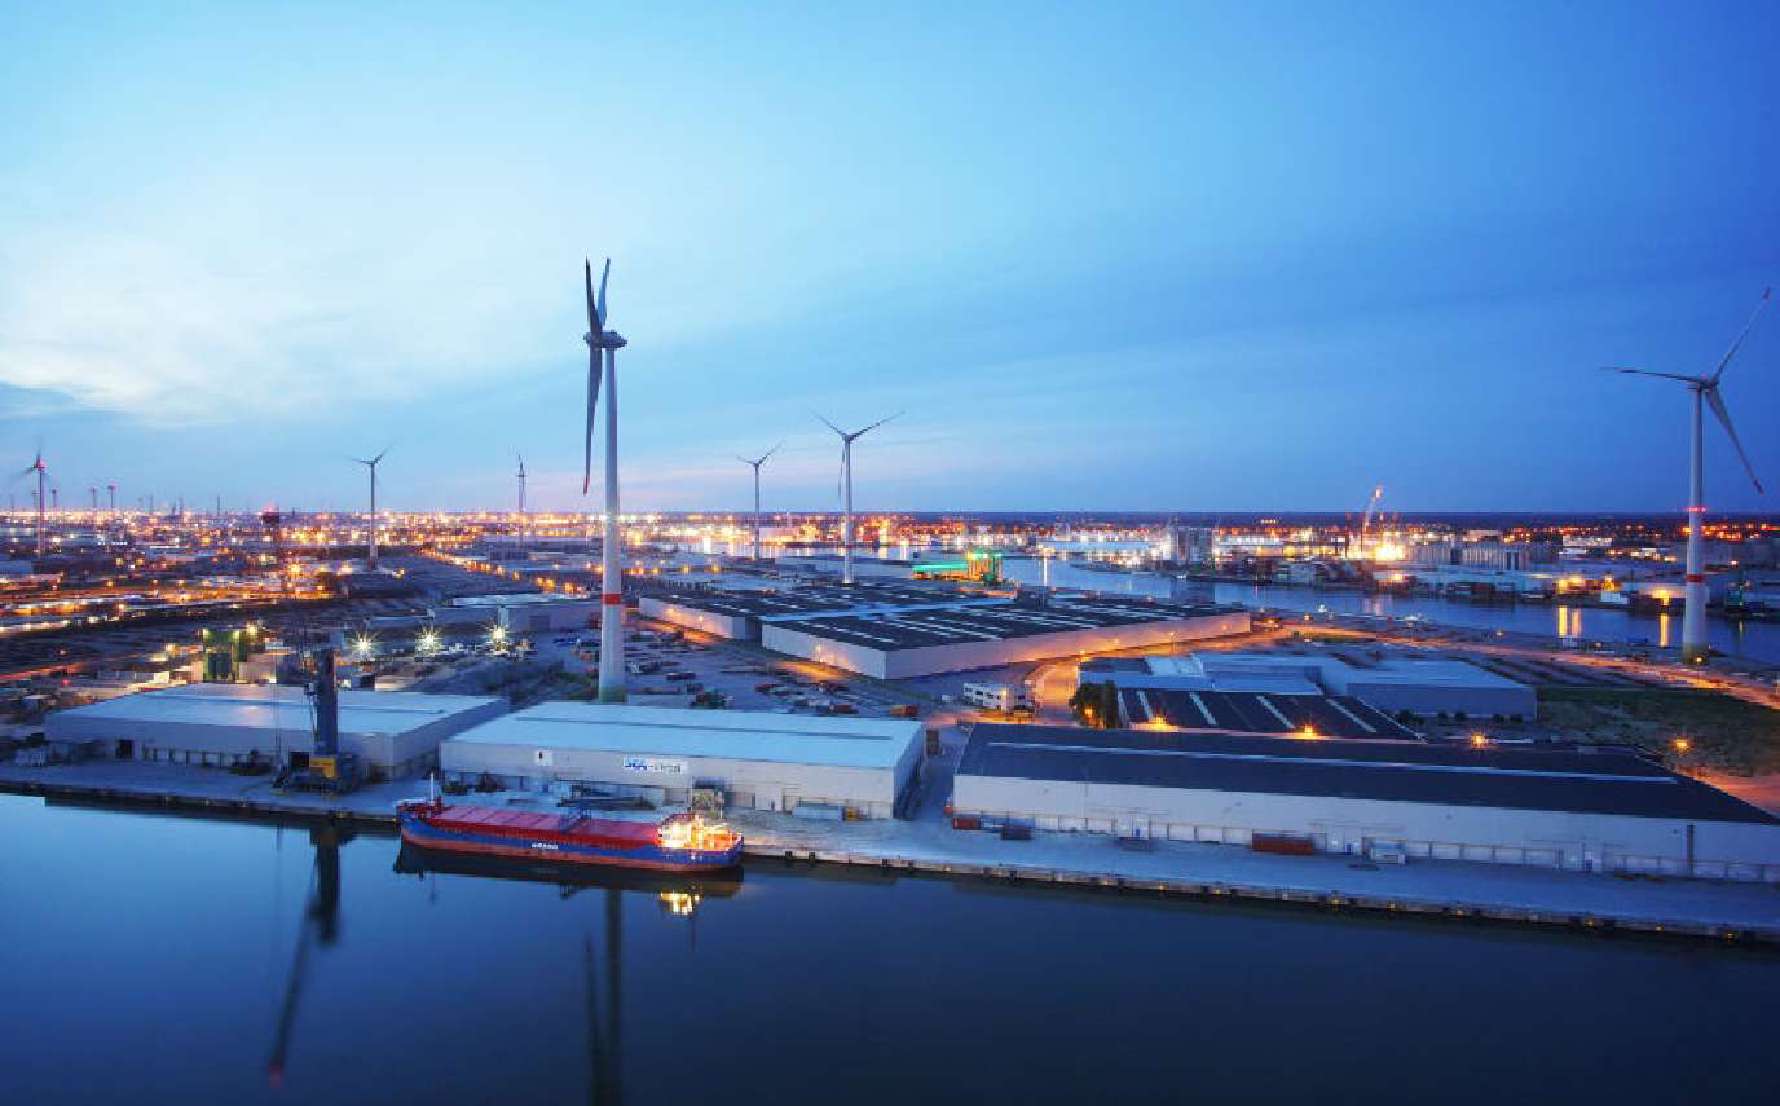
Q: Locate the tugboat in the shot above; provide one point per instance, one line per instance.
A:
(682, 842)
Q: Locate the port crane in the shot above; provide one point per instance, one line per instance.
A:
(327, 768)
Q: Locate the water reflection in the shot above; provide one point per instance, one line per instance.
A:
(320, 926)
(677, 896)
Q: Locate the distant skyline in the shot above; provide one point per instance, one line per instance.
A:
(1138, 257)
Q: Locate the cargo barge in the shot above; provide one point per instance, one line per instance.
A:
(677, 843)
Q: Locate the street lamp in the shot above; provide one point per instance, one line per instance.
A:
(428, 641)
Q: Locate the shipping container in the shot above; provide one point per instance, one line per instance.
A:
(1288, 844)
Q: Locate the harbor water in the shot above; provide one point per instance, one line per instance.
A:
(1757, 641)
(149, 958)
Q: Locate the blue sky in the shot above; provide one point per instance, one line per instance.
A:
(1126, 256)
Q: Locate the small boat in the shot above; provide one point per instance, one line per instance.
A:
(682, 842)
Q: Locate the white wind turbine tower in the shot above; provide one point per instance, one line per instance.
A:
(371, 548)
(598, 338)
(755, 465)
(847, 441)
(37, 466)
(521, 476)
(1694, 648)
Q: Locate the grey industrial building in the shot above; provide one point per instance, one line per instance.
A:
(739, 614)
(1262, 713)
(1581, 810)
(395, 733)
(905, 643)
(1390, 682)
(759, 760)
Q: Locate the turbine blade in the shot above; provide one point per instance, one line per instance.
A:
(593, 310)
(604, 274)
(1648, 372)
(830, 425)
(379, 458)
(875, 425)
(1766, 294)
(1724, 416)
(771, 451)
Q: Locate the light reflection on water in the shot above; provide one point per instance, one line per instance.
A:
(1756, 640)
(156, 959)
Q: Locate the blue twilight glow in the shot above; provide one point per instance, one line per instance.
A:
(1120, 256)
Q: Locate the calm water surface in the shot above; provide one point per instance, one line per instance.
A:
(1756, 640)
(151, 959)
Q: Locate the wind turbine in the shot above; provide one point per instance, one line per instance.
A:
(598, 338)
(521, 475)
(37, 466)
(93, 490)
(371, 549)
(111, 490)
(1694, 648)
(847, 441)
(755, 465)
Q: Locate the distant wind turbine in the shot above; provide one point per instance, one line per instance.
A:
(521, 475)
(847, 440)
(37, 466)
(755, 465)
(598, 338)
(1694, 647)
(371, 547)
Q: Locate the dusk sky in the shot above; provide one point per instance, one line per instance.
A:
(1121, 256)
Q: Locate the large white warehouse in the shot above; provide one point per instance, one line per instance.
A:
(760, 761)
(395, 733)
(1582, 810)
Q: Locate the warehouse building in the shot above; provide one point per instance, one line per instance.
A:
(760, 761)
(1581, 810)
(901, 644)
(395, 733)
(1310, 714)
(739, 615)
(522, 614)
(1390, 682)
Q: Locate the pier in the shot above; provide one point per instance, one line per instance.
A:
(1741, 913)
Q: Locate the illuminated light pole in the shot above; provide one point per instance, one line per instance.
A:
(1695, 648)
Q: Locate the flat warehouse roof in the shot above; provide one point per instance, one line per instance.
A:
(1579, 782)
(279, 706)
(1262, 713)
(728, 734)
(963, 626)
(811, 600)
